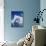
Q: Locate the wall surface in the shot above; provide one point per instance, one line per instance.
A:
(1, 20)
(29, 7)
(43, 6)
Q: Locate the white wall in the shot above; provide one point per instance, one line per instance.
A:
(43, 6)
(1, 20)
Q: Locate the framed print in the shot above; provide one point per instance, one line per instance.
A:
(17, 19)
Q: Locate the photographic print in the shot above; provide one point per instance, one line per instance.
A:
(17, 18)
